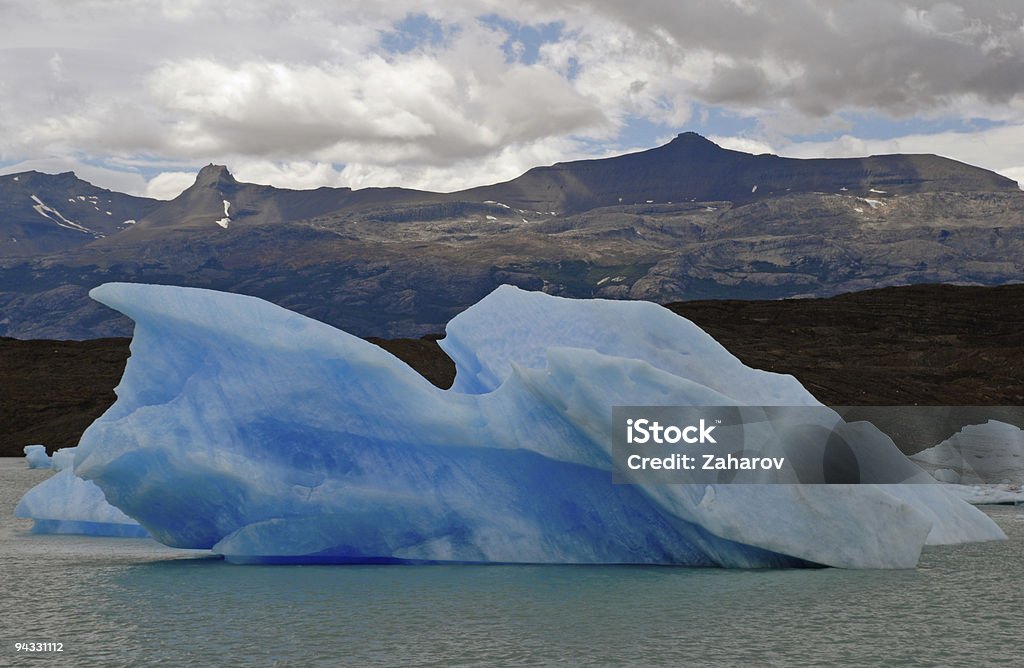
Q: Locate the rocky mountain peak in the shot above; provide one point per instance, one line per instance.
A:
(215, 176)
(693, 145)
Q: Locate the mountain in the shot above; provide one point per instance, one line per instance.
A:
(46, 213)
(216, 198)
(688, 220)
(692, 168)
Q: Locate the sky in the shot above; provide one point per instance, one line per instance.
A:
(449, 94)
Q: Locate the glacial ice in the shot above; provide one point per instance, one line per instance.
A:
(987, 453)
(65, 503)
(270, 437)
(983, 463)
(36, 457)
(532, 323)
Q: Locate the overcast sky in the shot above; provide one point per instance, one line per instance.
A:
(136, 96)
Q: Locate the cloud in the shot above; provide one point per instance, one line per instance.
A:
(298, 94)
(121, 181)
(744, 144)
(1000, 149)
(168, 185)
(424, 108)
(816, 58)
(1015, 173)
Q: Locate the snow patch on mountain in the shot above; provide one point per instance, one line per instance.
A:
(55, 216)
(226, 220)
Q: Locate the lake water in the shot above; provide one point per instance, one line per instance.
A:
(132, 602)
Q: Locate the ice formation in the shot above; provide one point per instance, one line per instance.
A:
(36, 457)
(978, 454)
(64, 503)
(984, 463)
(268, 436)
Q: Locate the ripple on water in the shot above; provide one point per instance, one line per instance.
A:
(135, 602)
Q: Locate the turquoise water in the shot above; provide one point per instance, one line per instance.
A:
(131, 602)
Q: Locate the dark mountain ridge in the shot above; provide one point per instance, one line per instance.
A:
(46, 213)
(688, 220)
(691, 167)
(218, 198)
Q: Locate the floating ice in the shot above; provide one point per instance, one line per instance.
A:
(983, 495)
(64, 503)
(979, 453)
(983, 462)
(36, 457)
(268, 436)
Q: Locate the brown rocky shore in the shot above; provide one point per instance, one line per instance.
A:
(936, 345)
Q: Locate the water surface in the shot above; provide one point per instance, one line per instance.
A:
(130, 602)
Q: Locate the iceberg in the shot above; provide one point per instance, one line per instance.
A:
(267, 436)
(67, 504)
(988, 453)
(983, 463)
(36, 457)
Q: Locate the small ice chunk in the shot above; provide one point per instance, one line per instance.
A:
(946, 475)
(65, 503)
(989, 453)
(36, 457)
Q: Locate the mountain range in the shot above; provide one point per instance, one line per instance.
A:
(687, 220)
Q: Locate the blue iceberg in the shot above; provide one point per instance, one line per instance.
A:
(270, 437)
(67, 504)
(36, 457)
